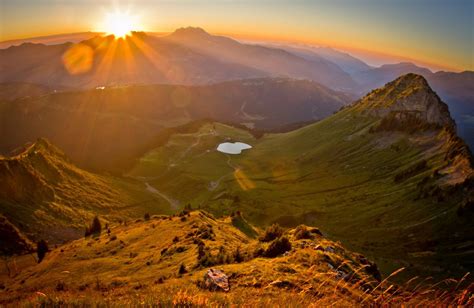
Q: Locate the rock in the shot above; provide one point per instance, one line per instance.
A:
(319, 247)
(330, 249)
(407, 103)
(315, 231)
(216, 280)
(281, 284)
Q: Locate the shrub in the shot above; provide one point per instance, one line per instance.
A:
(238, 258)
(146, 216)
(278, 247)
(259, 252)
(302, 232)
(182, 269)
(411, 171)
(272, 232)
(61, 286)
(41, 250)
(95, 228)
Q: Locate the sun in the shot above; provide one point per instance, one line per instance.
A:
(120, 24)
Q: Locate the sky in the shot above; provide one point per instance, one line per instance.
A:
(432, 32)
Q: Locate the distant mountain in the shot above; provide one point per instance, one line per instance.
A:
(187, 56)
(377, 77)
(101, 61)
(273, 61)
(110, 125)
(52, 39)
(45, 196)
(14, 90)
(387, 176)
(345, 61)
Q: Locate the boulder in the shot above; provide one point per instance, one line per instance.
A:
(216, 280)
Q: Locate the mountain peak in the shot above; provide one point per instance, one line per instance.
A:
(407, 98)
(190, 31)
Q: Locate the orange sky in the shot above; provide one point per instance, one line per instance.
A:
(435, 33)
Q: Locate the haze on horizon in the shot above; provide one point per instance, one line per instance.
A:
(435, 33)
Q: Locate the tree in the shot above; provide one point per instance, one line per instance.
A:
(41, 249)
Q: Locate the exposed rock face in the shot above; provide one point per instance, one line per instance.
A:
(408, 98)
(408, 104)
(216, 280)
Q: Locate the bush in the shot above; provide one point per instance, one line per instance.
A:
(41, 250)
(61, 286)
(271, 233)
(302, 232)
(411, 171)
(278, 247)
(258, 252)
(95, 228)
(238, 258)
(146, 216)
(182, 269)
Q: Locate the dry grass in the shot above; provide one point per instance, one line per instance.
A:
(140, 267)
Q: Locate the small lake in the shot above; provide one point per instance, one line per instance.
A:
(233, 148)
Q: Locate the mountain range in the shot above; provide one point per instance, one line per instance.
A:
(191, 56)
(353, 178)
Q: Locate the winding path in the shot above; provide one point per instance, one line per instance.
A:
(173, 203)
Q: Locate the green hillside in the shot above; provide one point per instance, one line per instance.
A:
(386, 176)
(46, 197)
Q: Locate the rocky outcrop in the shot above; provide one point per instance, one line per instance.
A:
(409, 105)
(408, 102)
(216, 280)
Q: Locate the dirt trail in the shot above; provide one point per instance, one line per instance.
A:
(214, 184)
(173, 203)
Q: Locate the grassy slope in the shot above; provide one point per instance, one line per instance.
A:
(46, 196)
(131, 267)
(334, 174)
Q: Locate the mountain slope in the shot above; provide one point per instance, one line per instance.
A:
(163, 261)
(46, 197)
(111, 126)
(387, 176)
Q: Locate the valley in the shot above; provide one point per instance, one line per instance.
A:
(320, 173)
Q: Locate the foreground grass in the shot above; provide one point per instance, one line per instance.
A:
(170, 296)
(138, 265)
